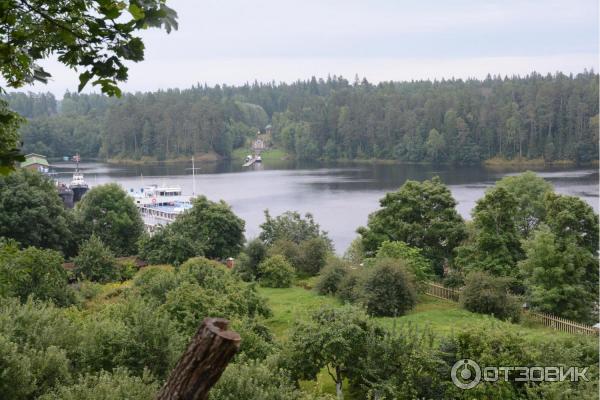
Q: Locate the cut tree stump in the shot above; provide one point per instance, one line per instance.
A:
(202, 364)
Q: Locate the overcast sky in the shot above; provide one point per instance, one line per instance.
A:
(237, 41)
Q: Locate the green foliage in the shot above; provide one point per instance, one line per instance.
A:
(211, 226)
(254, 381)
(488, 294)
(388, 288)
(155, 282)
(247, 265)
(331, 277)
(9, 138)
(34, 272)
(422, 215)
(498, 347)
(570, 217)
(314, 254)
(496, 247)
(403, 364)
(333, 338)
(168, 245)
(528, 190)
(131, 333)
(556, 273)
(99, 48)
(96, 262)
(349, 289)
(418, 265)
(28, 372)
(118, 384)
(290, 226)
(110, 213)
(32, 213)
(276, 272)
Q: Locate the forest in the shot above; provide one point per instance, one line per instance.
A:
(550, 118)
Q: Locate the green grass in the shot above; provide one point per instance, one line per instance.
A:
(267, 155)
(442, 316)
(290, 305)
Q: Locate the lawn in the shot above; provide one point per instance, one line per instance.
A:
(442, 316)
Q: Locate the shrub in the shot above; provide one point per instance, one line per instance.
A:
(254, 381)
(88, 290)
(207, 273)
(388, 289)
(313, 256)
(276, 272)
(134, 333)
(487, 294)
(155, 282)
(126, 269)
(350, 287)
(247, 264)
(288, 249)
(34, 272)
(118, 384)
(332, 276)
(95, 262)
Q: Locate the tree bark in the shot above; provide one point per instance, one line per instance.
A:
(202, 364)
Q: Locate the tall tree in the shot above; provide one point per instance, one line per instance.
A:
(421, 214)
(108, 212)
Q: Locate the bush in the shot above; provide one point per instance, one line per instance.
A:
(88, 290)
(95, 262)
(247, 264)
(155, 282)
(332, 276)
(349, 289)
(487, 294)
(313, 256)
(288, 249)
(276, 272)
(127, 269)
(254, 381)
(118, 384)
(388, 289)
(34, 272)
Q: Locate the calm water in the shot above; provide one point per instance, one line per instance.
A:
(340, 196)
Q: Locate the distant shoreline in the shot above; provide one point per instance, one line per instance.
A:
(280, 155)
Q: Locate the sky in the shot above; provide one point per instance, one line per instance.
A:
(238, 41)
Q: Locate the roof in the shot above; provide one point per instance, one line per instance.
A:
(31, 159)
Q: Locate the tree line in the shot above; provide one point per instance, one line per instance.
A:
(550, 117)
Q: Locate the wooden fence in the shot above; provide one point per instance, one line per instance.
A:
(551, 321)
(441, 292)
(561, 324)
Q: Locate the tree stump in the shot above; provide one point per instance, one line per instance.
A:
(202, 364)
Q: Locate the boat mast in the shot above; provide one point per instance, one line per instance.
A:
(193, 178)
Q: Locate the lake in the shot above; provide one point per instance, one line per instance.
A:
(339, 195)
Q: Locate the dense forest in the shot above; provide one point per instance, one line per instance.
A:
(554, 117)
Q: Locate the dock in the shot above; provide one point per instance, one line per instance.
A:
(250, 162)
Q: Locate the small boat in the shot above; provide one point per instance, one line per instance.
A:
(258, 159)
(78, 184)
